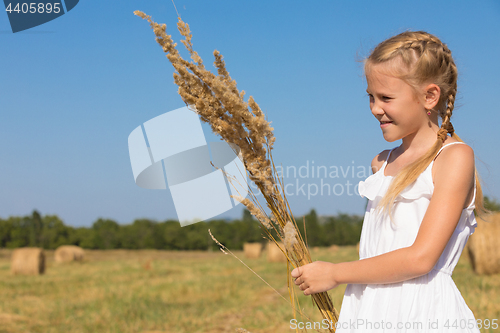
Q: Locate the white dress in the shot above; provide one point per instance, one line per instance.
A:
(429, 303)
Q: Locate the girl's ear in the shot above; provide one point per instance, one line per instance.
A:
(432, 94)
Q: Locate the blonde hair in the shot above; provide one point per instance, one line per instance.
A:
(418, 57)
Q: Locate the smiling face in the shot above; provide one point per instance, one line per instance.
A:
(397, 106)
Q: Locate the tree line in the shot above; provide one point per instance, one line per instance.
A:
(49, 232)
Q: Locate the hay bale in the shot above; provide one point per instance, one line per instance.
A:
(274, 253)
(67, 253)
(483, 249)
(28, 261)
(252, 250)
(333, 248)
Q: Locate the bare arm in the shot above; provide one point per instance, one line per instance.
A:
(454, 180)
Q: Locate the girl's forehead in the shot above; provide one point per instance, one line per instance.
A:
(381, 71)
(381, 79)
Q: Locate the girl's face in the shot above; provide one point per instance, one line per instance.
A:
(395, 104)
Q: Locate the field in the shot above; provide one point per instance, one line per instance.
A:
(164, 291)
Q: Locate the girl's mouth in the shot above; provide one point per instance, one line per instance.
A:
(385, 123)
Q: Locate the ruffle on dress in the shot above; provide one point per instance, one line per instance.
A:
(371, 186)
(377, 184)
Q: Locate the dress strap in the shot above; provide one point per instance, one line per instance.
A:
(382, 169)
(449, 144)
(473, 202)
(389, 155)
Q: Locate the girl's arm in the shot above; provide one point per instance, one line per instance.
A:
(453, 185)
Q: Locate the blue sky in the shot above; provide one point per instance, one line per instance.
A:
(74, 88)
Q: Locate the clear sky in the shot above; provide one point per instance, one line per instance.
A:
(73, 89)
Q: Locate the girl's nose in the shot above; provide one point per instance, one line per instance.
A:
(376, 109)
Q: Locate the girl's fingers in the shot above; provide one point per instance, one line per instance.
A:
(296, 272)
(301, 283)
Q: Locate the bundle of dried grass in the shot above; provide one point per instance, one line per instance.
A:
(28, 261)
(252, 250)
(274, 252)
(68, 253)
(242, 124)
(483, 249)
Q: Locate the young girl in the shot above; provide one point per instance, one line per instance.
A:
(421, 201)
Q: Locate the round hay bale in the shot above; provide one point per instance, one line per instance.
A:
(333, 248)
(67, 253)
(274, 253)
(28, 261)
(483, 249)
(252, 250)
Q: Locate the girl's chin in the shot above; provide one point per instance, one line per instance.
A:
(390, 138)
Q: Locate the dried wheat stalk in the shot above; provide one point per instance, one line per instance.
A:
(216, 99)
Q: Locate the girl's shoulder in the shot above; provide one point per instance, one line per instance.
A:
(379, 160)
(455, 146)
(454, 155)
(453, 174)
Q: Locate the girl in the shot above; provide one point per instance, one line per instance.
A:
(421, 200)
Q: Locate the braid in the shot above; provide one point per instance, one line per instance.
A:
(446, 126)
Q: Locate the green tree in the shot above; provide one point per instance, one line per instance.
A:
(142, 234)
(20, 232)
(5, 232)
(343, 229)
(106, 234)
(195, 236)
(491, 204)
(54, 233)
(173, 235)
(83, 237)
(35, 226)
(221, 231)
(313, 230)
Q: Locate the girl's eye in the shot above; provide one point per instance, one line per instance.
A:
(385, 98)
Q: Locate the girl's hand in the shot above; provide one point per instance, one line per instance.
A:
(315, 277)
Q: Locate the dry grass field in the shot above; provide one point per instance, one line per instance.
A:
(163, 291)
